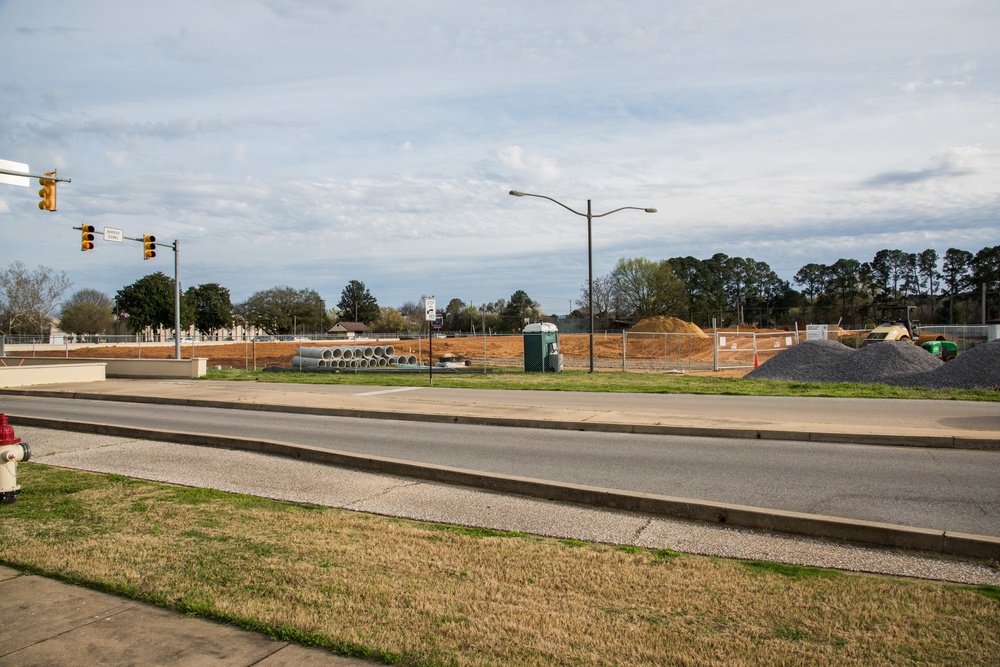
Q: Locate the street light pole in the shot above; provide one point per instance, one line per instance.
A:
(177, 304)
(590, 250)
(590, 282)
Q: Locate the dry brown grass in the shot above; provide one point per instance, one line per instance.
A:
(424, 594)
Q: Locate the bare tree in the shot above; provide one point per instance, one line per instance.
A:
(608, 299)
(28, 298)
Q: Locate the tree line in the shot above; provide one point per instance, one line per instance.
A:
(958, 287)
(741, 290)
(28, 300)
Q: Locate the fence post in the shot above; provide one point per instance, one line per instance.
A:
(715, 346)
(624, 353)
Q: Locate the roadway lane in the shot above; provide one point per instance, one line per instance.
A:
(939, 489)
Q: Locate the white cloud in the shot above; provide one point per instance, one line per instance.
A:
(532, 167)
(313, 142)
(117, 158)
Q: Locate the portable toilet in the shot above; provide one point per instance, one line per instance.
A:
(541, 348)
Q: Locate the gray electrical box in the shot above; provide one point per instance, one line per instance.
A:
(541, 348)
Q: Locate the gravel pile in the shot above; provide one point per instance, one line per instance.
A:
(810, 361)
(978, 368)
(893, 363)
(885, 360)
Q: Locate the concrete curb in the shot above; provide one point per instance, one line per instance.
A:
(740, 516)
(874, 439)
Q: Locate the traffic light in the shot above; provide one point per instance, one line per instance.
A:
(149, 246)
(47, 193)
(86, 237)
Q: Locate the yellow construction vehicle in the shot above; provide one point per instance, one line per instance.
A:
(897, 324)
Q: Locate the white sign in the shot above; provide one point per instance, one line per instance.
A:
(430, 309)
(112, 234)
(23, 181)
(816, 331)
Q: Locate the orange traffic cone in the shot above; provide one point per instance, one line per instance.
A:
(756, 360)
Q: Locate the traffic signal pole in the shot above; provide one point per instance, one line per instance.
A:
(149, 244)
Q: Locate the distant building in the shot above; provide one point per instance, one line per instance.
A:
(350, 330)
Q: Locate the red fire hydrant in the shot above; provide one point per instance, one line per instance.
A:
(12, 450)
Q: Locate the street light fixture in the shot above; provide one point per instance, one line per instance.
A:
(590, 251)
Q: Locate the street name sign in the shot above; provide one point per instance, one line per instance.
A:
(10, 179)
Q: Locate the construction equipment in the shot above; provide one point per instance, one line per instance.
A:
(945, 350)
(895, 324)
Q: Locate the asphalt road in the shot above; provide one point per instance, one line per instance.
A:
(953, 490)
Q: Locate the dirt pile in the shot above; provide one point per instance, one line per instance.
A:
(894, 363)
(664, 324)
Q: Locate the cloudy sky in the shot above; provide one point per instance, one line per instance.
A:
(308, 143)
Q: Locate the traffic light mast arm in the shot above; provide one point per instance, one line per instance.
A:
(142, 239)
(11, 172)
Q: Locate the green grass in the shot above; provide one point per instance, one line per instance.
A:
(412, 593)
(617, 382)
(793, 571)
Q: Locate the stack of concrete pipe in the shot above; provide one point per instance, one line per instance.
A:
(351, 356)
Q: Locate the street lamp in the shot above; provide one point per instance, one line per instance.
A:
(590, 251)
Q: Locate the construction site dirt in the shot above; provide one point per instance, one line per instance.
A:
(502, 350)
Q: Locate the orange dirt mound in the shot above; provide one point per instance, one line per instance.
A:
(664, 324)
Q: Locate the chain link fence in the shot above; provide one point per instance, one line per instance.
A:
(612, 351)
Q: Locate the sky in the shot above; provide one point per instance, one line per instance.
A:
(308, 143)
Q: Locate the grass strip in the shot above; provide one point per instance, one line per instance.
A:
(412, 593)
(617, 382)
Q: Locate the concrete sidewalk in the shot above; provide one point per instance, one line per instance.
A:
(46, 622)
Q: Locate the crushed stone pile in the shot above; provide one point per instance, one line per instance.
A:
(664, 324)
(894, 363)
(809, 361)
(977, 368)
(885, 360)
